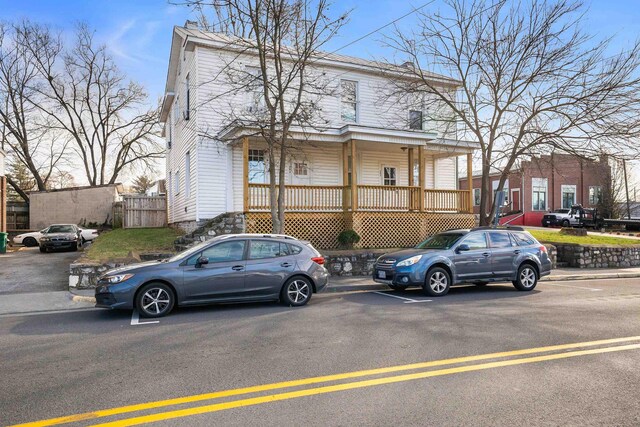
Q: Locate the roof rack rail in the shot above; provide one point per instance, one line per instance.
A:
(502, 227)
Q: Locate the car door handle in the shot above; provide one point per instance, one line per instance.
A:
(286, 264)
(486, 254)
(237, 267)
(517, 252)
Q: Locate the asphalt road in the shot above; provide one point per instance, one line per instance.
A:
(71, 363)
(28, 270)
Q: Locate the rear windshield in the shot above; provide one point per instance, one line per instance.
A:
(61, 229)
(440, 241)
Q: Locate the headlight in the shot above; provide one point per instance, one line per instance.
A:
(44, 239)
(117, 279)
(409, 261)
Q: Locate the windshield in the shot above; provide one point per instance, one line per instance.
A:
(440, 241)
(61, 229)
(189, 252)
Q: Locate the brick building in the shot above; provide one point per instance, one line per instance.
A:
(546, 183)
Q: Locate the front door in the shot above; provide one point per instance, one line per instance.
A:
(269, 263)
(515, 199)
(474, 264)
(222, 277)
(503, 254)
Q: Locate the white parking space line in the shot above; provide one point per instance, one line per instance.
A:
(406, 300)
(574, 287)
(135, 319)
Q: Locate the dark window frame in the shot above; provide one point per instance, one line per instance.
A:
(415, 123)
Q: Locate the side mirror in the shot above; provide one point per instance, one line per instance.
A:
(462, 248)
(202, 261)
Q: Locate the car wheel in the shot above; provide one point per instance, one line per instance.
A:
(155, 300)
(398, 287)
(437, 282)
(296, 292)
(30, 242)
(43, 250)
(566, 223)
(527, 278)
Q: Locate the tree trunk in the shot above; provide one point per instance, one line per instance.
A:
(18, 189)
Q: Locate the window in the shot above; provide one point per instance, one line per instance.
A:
(169, 132)
(388, 175)
(169, 188)
(187, 104)
(187, 174)
(255, 86)
(523, 239)
(568, 196)
(476, 197)
(505, 190)
(349, 101)
(500, 240)
(176, 111)
(295, 249)
(261, 249)
(415, 119)
(176, 183)
(257, 167)
(476, 241)
(539, 193)
(222, 252)
(300, 169)
(595, 195)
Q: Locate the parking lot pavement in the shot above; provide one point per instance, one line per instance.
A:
(28, 270)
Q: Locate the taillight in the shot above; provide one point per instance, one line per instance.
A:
(543, 248)
(318, 260)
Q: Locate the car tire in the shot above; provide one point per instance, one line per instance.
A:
(296, 291)
(566, 223)
(30, 242)
(437, 282)
(398, 287)
(527, 278)
(43, 250)
(155, 300)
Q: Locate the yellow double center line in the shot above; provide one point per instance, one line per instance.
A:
(342, 386)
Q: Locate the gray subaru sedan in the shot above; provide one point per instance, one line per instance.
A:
(477, 256)
(228, 268)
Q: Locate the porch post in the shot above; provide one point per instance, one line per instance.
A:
(354, 178)
(345, 176)
(411, 161)
(421, 176)
(470, 180)
(245, 173)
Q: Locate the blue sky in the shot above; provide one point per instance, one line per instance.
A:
(138, 32)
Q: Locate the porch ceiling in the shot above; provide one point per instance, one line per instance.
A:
(370, 135)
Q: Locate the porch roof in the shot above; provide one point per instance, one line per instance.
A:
(355, 132)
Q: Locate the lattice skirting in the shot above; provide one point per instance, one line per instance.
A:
(319, 228)
(403, 229)
(376, 229)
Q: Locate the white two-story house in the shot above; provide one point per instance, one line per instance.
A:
(378, 167)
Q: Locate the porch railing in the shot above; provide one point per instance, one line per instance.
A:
(312, 198)
(316, 198)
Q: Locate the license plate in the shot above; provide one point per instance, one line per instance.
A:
(382, 275)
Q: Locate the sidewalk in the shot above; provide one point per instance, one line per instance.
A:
(25, 303)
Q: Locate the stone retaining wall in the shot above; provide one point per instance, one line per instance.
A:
(598, 256)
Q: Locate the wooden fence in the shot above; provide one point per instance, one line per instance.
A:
(139, 211)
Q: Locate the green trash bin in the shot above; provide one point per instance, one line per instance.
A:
(3, 243)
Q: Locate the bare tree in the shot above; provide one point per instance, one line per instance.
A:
(529, 77)
(91, 101)
(25, 131)
(282, 38)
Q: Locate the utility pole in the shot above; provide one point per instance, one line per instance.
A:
(626, 187)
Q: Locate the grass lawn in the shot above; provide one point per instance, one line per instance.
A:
(554, 237)
(118, 243)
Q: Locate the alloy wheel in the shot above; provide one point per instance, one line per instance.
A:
(438, 282)
(155, 301)
(298, 291)
(527, 277)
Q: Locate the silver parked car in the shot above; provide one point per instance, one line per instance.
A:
(479, 256)
(228, 268)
